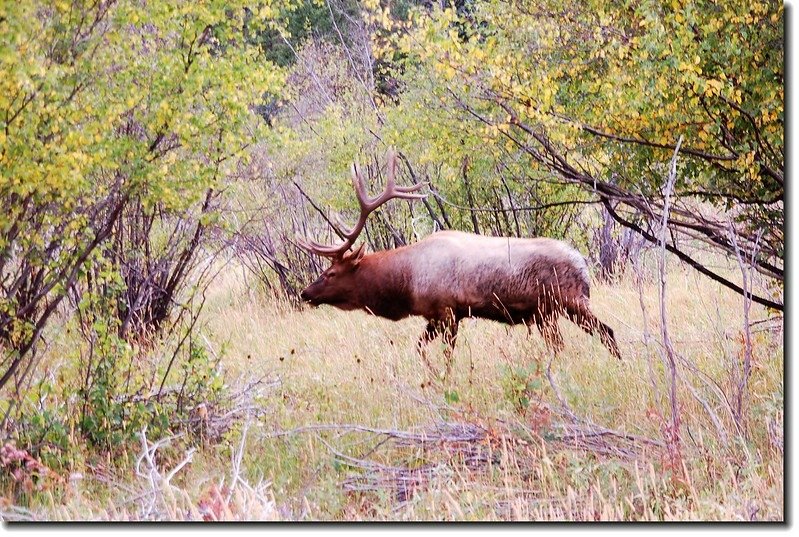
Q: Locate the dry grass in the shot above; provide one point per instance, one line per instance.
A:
(349, 433)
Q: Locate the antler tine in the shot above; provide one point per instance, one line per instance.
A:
(392, 190)
(320, 249)
(392, 173)
(368, 205)
(360, 187)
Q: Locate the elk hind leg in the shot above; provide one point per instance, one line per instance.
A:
(582, 316)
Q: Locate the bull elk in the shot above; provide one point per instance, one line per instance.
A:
(451, 275)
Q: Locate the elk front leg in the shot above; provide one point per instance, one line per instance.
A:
(429, 334)
(447, 328)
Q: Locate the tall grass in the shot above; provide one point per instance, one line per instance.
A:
(350, 433)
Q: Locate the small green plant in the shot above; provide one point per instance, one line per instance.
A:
(519, 384)
(201, 378)
(451, 397)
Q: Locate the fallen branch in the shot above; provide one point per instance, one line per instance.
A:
(449, 446)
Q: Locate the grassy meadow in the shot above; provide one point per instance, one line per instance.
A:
(349, 426)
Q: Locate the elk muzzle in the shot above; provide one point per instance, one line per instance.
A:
(308, 296)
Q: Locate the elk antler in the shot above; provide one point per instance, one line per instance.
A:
(367, 206)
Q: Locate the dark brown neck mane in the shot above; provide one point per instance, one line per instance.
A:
(388, 292)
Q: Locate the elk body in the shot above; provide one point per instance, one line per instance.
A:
(451, 275)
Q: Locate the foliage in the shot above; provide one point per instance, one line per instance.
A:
(301, 21)
(104, 103)
(520, 384)
(596, 95)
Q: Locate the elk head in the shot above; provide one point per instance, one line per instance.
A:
(338, 284)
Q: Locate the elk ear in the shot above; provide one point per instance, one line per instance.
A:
(357, 255)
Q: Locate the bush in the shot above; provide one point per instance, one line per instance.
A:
(140, 108)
